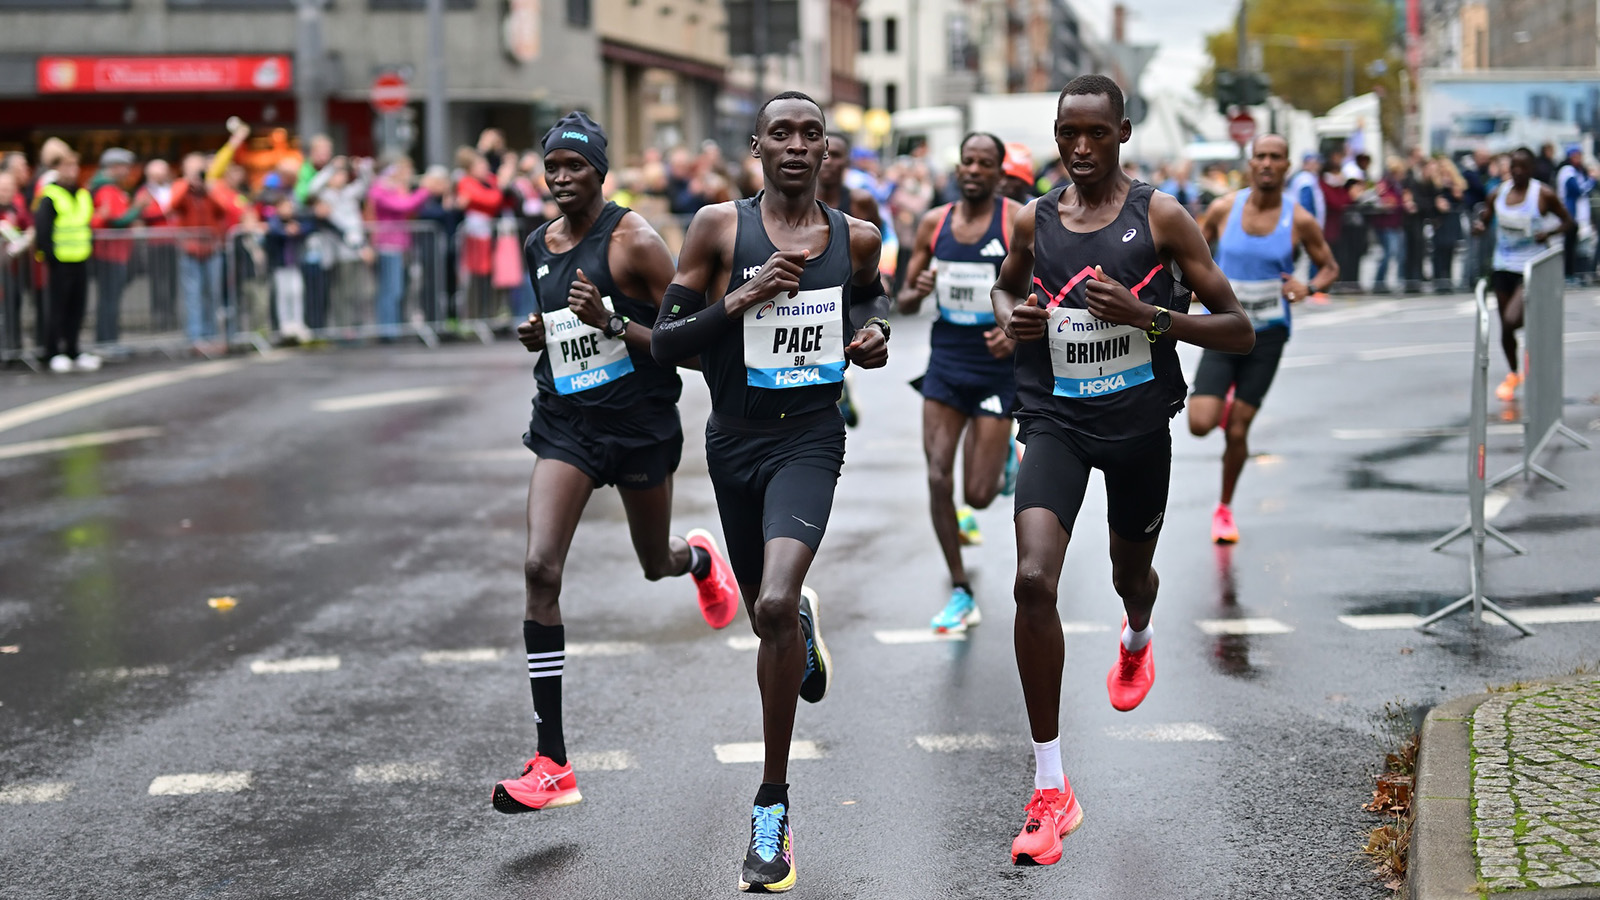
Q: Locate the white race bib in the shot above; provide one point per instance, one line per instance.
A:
(1091, 358)
(795, 341)
(581, 356)
(1262, 301)
(962, 289)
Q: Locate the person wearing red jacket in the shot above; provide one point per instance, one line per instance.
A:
(479, 195)
(114, 210)
(203, 210)
(16, 236)
(160, 254)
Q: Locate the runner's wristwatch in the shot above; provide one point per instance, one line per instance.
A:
(881, 322)
(616, 326)
(1159, 325)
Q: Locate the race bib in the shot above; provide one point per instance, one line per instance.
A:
(795, 341)
(962, 290)
(1091, 358)
(1262, 301)
(581, 356)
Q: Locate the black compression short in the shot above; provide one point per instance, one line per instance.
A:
(1505, 282)
(1055, 476)
(772, 480)
(1249, 374)
(635, 448)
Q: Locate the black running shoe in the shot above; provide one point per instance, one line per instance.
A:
(769, 863)
(819, 665)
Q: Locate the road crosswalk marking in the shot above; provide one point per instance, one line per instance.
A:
(602, 761)
(396, 773)
(38, 792)
(605, 648)
(917, 636)
(1384, 622)
(1173, 732)
(956, 743)
(469, 655)
(200, 783)
(755, 751)
(383, 398)
(124, 673)
(1084, 627)
(1242, 626)
(744, 642)
(76, 441)
(1537, 615)
(295, 665)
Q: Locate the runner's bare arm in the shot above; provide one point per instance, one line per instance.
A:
(1178, 238)
(920, 276)
(869, 348)
(642, 267)
(1017, 311)
(1215, 217)
(1550, 204)
(1312, 239)
(863, 207)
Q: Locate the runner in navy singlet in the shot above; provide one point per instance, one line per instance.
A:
(777, 294)
(970, 383)
(1097, 383)
(1255, 231)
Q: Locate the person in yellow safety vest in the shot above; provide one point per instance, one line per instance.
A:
(62, 238)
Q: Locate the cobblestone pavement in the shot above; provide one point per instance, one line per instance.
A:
(1536, 787)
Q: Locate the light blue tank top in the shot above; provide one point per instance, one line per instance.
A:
(1255, 264)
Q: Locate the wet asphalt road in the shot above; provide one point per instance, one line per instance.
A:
(379, 535)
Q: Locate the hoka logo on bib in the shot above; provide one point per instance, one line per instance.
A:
(1103, 385)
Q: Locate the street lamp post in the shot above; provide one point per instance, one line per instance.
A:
(435, 111)
(308, 79)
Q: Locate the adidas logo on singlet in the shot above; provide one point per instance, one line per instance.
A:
(993, 248)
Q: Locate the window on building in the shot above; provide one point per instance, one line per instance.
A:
(891, 97)
(891, 35)
(866, 36)
(578, 13)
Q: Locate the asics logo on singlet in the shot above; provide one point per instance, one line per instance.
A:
(1132, 232)
(993, 248)
(751, 272)
(543, 271)
(1101, 386)
(575, 136)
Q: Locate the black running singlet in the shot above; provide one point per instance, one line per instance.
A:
(1093, 377)
(783, 357)
(580, 364)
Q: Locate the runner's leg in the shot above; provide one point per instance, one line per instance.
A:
(1041, 651)
(661, 554)
(1205, 413)
(941, 433)
(557, 494)
(1237, 450)
(983, 458)
(781, 659)
(1134, 579)
(1510, 302)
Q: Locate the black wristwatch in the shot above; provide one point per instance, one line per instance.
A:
(881, 322)
(1160, 324)
(616, 326)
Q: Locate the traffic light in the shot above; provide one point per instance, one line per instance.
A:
(1253, 89)
(1227, 90)
(1234, 88)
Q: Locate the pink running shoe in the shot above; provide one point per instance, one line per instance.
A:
(719, 592)
(1223, 531)
(543, 785)
(1132, 677)
(1052, 815)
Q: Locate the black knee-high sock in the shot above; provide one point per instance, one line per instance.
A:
(547, 657)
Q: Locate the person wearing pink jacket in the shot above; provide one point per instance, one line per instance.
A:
(394, 201)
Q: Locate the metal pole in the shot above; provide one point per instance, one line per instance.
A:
(1244, 46)
(1349, 70)
(758, 48)
(438, 138)
(309, 100)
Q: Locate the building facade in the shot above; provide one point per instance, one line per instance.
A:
(162, 76)
(1544, 34)
(664, 64)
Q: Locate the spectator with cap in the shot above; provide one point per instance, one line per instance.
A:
(115, 210)
(1016, 178)
(1573, 184)
(63, 213)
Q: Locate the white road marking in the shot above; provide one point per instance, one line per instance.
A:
(1306, 362)
(123, 673)
(324, 538)
(1166, 734)
(518, 454)
(200, 783)
(602, 761)
(956, 743)
(1347, 315)
(471, 655)
(38, 792)
(1410, 350)
(1549, 615)
(396, 773)
(1382, 621)
(917, 636)
(1579, 337)
(295, 665)
(384, 398)
(1084, 628)
(1243, 626)
(744, 642)
(605, 648)
(111, 390)
(1494, 503)
(1398, 434)
(74, 442)
(755, 751)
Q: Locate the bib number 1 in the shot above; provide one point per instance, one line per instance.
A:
(1091, 358)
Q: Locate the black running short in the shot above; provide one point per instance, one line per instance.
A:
(1249, 374)
(1505, 282)
(1055, 476)
(635, 448)
(773, 480)
(971, 394)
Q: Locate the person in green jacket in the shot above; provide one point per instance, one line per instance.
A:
(318, 157)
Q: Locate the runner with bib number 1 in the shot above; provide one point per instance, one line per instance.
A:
(1098, 381)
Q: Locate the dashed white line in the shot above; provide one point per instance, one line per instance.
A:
(124, 673)
(917, 636)
(1381, 621)
(1400, 434)
(295, 665)
(396, 773)
(1410, 350)
(470, 655)
(200, 783)
(602, 761)
(100, 393)
(519, 454)
(383, 398)
(605, 648)
(1243, 626)
(1084, 627)
(1549, 615)
(38, 792)
(744, 642)
(956, 743)
(76, 441)
(1167, 734)
(755, 751)
(324, 538)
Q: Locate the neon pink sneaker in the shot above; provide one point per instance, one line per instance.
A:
(543, 785)
(1223, 531)
(1052, 815)
(719, 592)
(1130, 680)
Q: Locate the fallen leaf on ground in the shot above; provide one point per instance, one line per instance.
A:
(222, 603)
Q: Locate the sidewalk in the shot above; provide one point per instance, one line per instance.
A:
(1508, 795)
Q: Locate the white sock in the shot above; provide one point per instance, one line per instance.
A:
(1047, 773)
(1135, 640)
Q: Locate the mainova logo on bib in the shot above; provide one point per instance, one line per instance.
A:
(581, 356)
(1091, 358)
(796, 341)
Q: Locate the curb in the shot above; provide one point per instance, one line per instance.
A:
(1442, 865)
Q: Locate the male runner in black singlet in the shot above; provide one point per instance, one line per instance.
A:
(606, 413)
(971, 382)
(1097, 383)
(776, 293)
(832, 190)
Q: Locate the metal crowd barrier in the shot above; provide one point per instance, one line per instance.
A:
(1477, 452)
(1544, 331)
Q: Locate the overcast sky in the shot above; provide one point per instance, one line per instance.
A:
(1178, 27)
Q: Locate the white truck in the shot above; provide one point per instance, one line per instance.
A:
(1028, 119)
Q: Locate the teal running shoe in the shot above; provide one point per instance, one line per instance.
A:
(958, 614)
